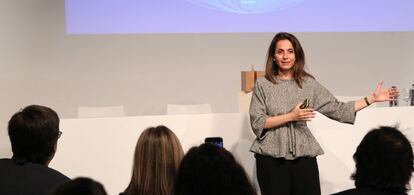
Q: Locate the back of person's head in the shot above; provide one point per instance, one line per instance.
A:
(80, 186)
(211, 170)
(157, 156)
(384, 161)
(33, 133)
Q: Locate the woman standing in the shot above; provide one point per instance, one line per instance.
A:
(284, 148)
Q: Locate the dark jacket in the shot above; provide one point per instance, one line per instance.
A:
(366, 191)
(28, 178)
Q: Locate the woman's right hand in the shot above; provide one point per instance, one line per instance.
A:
(298, 114)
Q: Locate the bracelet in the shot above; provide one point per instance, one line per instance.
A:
(366, 101)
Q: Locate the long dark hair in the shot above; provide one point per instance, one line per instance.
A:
(80, 186)
(384, 160)
(211, 170)
(272, 68)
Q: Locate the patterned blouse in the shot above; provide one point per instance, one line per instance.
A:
(294, 139)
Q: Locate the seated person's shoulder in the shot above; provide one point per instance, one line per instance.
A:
(365, 191)
(47, 172)
(31, 170)
(28, 178)
(346, 192)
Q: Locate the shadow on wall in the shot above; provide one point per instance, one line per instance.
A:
(5, 151)
(335, 175)
(5, 146)
(241, 151)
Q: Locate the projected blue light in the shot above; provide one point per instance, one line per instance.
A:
(229, 16)
(246, 6)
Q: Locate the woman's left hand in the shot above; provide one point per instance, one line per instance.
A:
(381, 95)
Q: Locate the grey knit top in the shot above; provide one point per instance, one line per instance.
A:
(293, 139)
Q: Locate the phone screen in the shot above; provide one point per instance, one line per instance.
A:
(218, 141)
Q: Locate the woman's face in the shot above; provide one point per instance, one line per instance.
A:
(285, 55)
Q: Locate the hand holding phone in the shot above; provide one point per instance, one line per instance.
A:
(305, 104)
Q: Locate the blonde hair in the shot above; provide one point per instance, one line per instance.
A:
(158, 154)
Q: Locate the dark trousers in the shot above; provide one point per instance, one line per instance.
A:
(278, 176)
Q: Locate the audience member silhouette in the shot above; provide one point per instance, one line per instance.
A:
(157, 156)
(211, 170)
(384, 163)
(34, 132)
(80, 186)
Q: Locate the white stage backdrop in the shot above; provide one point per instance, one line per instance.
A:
(102, 148)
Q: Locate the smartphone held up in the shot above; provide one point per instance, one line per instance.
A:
(217, 141)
